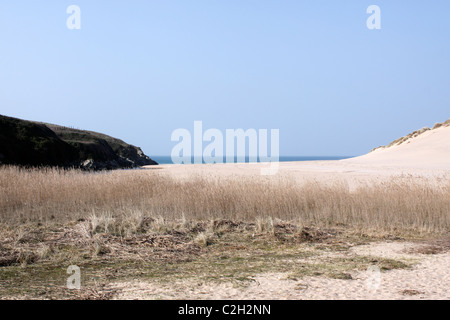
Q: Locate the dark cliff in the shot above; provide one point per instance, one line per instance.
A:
(32, 143)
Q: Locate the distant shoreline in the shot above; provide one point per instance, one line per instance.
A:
(168, 160)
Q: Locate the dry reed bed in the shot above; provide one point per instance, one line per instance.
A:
(30, 195)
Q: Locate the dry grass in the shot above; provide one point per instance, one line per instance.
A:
(138, 224)
(131, 197)
(33, 259)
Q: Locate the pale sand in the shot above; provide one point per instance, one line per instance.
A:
(429, 150)
(424, 158)
(427, 279)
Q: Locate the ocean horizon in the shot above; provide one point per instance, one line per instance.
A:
(168, 159)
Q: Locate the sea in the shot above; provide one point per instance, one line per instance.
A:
(168, 159)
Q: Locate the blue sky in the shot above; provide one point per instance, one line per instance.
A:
(138, 70)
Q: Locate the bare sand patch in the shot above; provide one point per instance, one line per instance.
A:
(428, 278)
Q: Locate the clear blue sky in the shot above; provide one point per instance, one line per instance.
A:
(137, 70)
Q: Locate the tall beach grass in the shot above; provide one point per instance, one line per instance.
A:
(40, 195)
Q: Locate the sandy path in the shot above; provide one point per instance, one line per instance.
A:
(429, 278)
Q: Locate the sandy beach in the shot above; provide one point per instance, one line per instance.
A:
(425, 157)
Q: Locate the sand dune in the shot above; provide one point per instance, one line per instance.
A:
(427, 148)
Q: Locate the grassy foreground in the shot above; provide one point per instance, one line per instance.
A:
(139, 225)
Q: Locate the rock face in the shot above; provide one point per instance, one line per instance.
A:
(39, 144)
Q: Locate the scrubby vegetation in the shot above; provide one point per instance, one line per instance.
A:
(128, 225)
